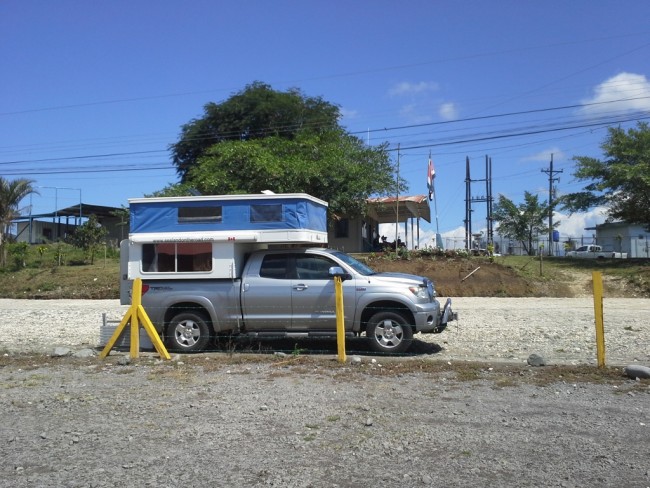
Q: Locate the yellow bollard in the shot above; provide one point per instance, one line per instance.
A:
(134, 315)
(598, 312)
(340, 324)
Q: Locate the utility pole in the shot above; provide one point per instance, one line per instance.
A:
(551, 195)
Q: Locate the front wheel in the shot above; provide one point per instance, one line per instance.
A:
(188, 332)
(389, 332)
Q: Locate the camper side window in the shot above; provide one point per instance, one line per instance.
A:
(266, 213)
(195, 215)
(177, 257)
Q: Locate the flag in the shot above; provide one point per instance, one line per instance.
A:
(431, 174)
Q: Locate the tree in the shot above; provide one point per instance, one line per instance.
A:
(256, 112)
(621, 181)
(286, 143)
(11, 194)
(88, 237)
(337, 168)
(523, 222)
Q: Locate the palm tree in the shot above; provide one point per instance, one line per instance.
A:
(11, 193)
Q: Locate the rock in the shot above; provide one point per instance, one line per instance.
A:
(636, 371)
(536, 360)
(60, 352)
(124, 361)
(84, 353)
(355, 359)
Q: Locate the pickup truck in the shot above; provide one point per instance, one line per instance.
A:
(594, 252)
(290, 293)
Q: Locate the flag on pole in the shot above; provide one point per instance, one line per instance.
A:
(431, 174)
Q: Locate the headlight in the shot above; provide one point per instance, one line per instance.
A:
(420, 292)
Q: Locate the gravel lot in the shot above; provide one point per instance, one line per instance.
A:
(306, 421)
(506, 329)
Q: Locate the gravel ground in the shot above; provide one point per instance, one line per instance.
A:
(306, 421)
(506, 329)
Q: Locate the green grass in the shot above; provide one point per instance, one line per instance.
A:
(60, 271)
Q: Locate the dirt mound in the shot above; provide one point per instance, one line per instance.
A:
(478, 277)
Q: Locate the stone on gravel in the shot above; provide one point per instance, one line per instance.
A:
(636, 371)
(60, 352)
(124, 361)
(536, 360)
(85, 353)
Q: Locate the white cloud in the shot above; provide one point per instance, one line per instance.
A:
(408, 88)
(448, 111)
(410, 113)
(574, 225)
(348, 114)
(625, 91)
(545, 155)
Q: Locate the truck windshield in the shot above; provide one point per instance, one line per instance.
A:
(354, 264)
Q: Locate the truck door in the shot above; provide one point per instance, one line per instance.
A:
(313, 296)
(266, 294)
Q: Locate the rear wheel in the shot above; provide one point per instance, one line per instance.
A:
(188, 332)
(389, 332)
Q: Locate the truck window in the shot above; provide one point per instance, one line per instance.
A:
(276, 266)
(177, 257)
(313, 267)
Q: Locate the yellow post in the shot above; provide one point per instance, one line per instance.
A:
(340, 324)
(134, 315)
(136, 303)
(598, 312)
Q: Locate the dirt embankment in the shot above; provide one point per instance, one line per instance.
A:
(462, 277)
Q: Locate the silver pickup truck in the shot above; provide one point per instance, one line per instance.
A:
(290, 293)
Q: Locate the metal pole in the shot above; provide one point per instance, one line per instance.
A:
(397, 201)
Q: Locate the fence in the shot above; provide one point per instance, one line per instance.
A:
(541, 244)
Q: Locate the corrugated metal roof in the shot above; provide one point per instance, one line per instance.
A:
(385, 209)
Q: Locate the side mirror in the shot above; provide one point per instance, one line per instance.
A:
(338, 271)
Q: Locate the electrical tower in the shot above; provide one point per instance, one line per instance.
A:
(551, 201)
(487, 198)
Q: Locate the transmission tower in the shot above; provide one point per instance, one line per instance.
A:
(551, 201)
(487, 198)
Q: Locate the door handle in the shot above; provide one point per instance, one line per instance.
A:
(300, 287)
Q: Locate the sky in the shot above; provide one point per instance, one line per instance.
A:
(92, 94)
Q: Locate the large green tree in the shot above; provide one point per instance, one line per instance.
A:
(621, 181)
(11, 194)
(261, 139)
(523, 222)
(256, 112)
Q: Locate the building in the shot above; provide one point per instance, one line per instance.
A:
(56, 226)
(632, 239)
(361, 234)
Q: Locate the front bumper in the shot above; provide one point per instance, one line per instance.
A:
(434, 320)
(446, 316)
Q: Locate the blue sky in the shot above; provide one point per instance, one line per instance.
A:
(100, 89)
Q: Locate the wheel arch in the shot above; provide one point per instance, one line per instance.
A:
(387, 305)
(187, 306)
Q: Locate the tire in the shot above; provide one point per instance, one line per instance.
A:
(389, 332)
(188, 332)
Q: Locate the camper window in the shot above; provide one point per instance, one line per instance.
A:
(193, 215)
(266, 213)
(181, 257)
